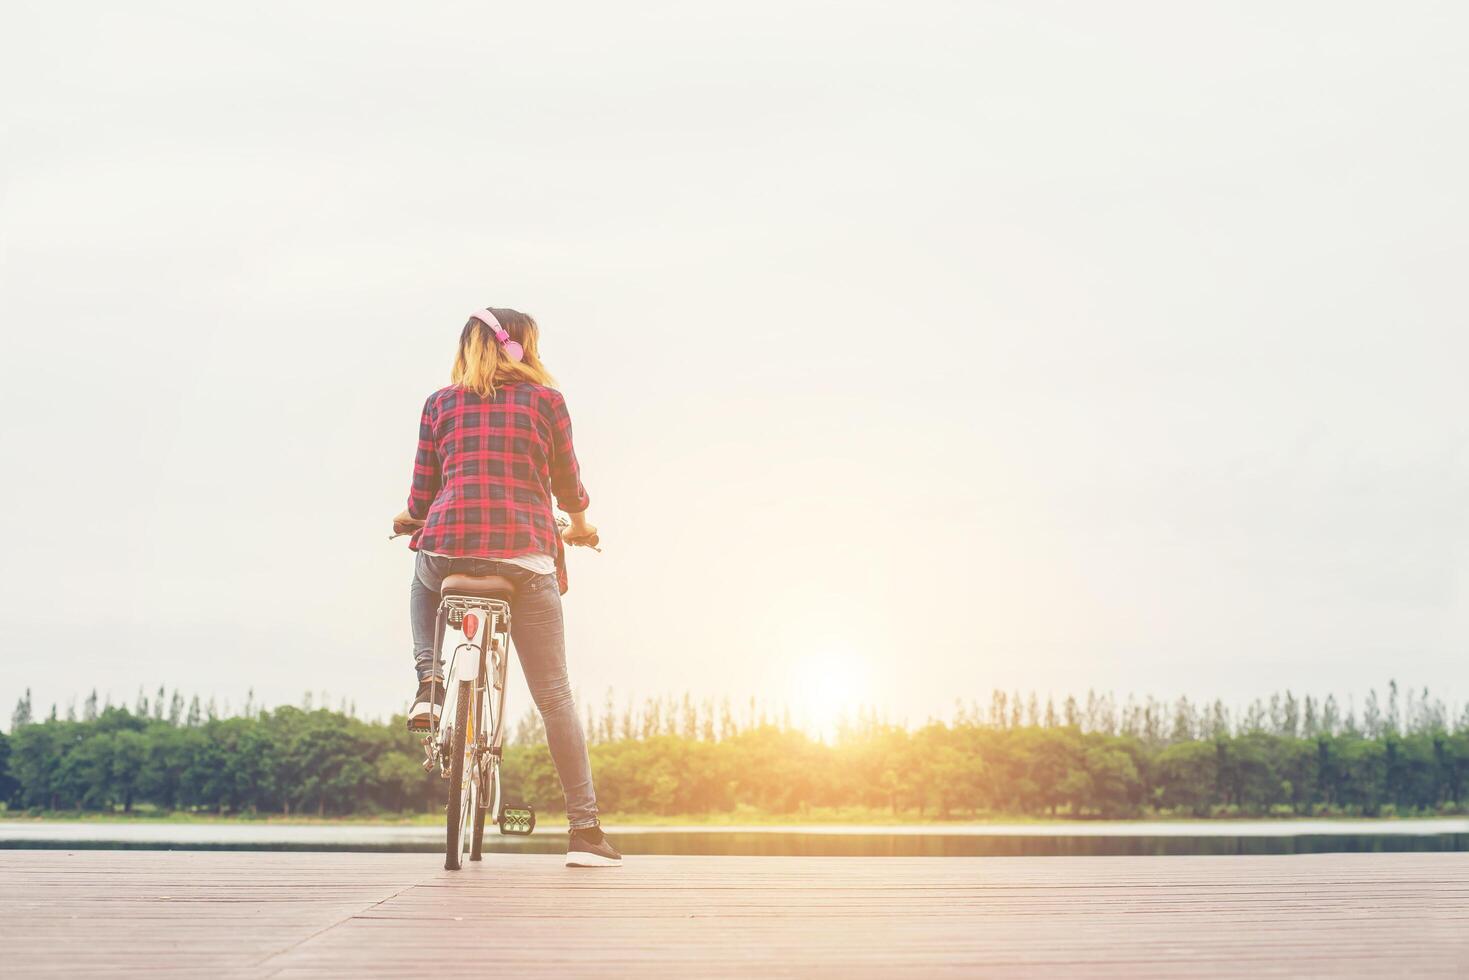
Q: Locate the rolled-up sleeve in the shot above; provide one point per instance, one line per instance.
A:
(427, 474)
(566, 485)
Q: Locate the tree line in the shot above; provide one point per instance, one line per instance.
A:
(1404, 753)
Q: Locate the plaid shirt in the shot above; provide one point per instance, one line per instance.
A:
(486, 470)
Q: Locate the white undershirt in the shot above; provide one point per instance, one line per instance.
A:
(540, 564)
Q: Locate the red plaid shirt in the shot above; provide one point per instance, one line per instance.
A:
(486, 471)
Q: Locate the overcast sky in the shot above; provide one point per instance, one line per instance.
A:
(937, 346)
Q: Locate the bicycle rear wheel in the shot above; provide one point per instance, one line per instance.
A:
(459, 808)
(491, 719)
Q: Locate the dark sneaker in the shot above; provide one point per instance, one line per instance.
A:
(428, 703)
(589, 848)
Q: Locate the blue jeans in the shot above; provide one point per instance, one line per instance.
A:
(537, 634)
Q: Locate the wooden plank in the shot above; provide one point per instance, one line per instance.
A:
(303, 915)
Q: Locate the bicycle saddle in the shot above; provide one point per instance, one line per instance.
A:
(491, 586)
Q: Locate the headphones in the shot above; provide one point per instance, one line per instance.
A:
(513, 350)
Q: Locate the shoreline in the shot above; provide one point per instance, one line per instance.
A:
(723, 822)
(254, 831)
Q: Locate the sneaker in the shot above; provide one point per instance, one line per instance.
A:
(588, 847)
(428, 703)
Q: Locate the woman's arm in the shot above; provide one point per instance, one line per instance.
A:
(566, 485)
(426, 475)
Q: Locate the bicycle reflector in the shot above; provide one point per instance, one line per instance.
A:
(471, 624)
(517, 819)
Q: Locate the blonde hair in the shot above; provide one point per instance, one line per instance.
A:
(481, 365)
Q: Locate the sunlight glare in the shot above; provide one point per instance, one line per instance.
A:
(827, 688)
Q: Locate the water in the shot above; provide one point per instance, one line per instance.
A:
(1076, 839)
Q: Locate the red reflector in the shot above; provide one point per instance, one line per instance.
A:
(471, 624)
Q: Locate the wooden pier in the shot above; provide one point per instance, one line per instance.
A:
(269, 915)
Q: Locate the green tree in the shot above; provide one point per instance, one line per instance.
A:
(1115, 785)
(22, 714)
(9, 785)
(1189, 776)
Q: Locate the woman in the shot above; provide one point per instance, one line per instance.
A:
(493, 449)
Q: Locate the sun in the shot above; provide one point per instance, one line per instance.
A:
(826, 688)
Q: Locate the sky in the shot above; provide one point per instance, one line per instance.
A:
(913, 350)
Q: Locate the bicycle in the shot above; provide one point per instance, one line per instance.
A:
(474, 617)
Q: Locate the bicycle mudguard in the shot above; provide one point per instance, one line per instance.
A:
(517, 819)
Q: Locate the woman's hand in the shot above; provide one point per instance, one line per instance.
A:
(404, 524)
(580, 532)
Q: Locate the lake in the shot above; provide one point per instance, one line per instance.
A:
(967, 840)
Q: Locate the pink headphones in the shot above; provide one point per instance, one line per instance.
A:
(513, 350)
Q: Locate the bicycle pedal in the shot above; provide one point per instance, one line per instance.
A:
(517, 819)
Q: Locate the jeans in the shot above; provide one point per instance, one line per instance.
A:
(538, 637)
